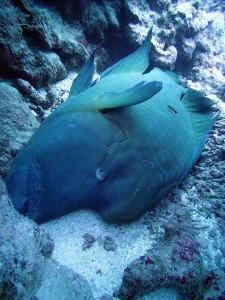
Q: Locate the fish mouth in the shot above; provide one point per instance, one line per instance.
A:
(16, 183)
(24, 209)
(24, 189)
(19, 203)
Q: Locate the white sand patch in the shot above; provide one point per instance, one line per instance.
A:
(102, 269)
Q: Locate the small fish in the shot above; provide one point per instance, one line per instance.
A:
(114, 146)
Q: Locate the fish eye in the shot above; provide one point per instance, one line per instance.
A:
(101, 175)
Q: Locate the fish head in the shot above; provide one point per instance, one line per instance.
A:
(24, 187)
(57, 172)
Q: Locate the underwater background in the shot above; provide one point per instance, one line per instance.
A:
(176, 251)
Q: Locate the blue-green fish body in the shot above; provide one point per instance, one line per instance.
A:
(117, 147)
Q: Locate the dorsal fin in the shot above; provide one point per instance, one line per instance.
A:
(84, 78)
(136, 62)
(202, 116)
(137, 94)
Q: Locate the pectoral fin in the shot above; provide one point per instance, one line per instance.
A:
(137, 94)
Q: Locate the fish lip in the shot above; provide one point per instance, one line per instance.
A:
(30, 211)
(24, 189)
(24, 208)
(20, 205)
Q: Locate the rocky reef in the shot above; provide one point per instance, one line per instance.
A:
(174, 252)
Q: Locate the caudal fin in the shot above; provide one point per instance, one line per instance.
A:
(202, 116)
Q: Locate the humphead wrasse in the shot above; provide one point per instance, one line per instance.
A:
(116, 146)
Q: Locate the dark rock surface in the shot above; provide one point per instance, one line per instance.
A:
(31, 95)
(88, 241)
(34, 42)
(177, 265)
(59, 282)
(109, 244)
(17, 125)
(26, 267)
(24, 248)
